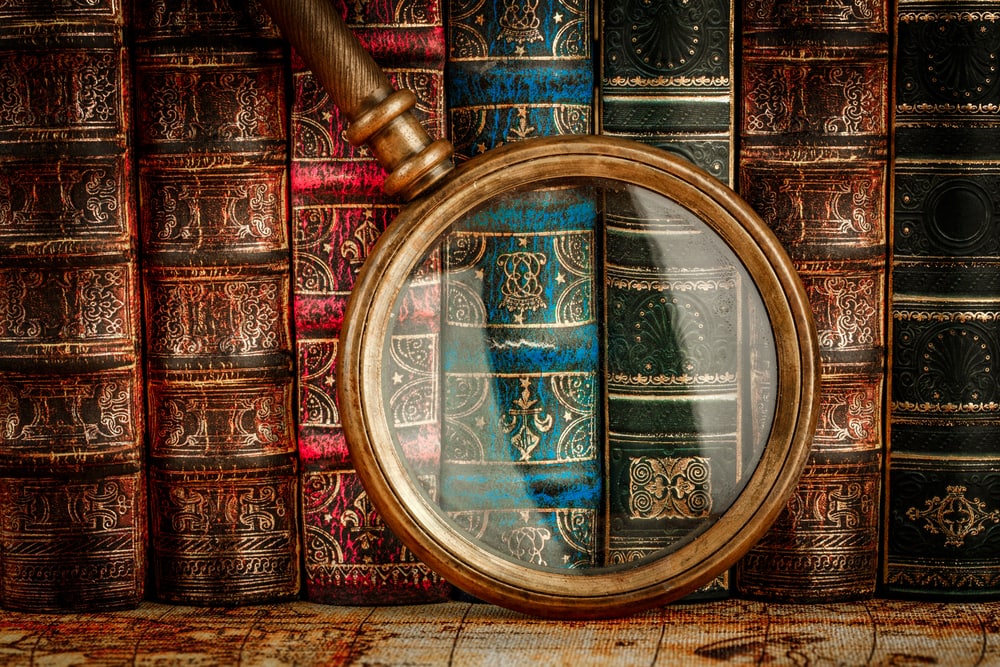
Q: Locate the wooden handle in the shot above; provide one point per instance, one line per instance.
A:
(378, 115)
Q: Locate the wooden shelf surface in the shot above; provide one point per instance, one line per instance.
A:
(455, 634)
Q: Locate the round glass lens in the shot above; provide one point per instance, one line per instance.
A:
(581, 375)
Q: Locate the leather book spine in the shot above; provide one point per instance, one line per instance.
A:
(522, 461)
(517, 69)
(72, 490)
(814, 164)
(212, 142)
(943, 512)
(338, 212)
(667, 79)
(676, 439)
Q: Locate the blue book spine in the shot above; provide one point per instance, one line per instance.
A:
(521, 465)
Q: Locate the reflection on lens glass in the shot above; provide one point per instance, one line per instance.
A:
(580, 375)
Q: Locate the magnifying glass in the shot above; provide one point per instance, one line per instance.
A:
(614, 359)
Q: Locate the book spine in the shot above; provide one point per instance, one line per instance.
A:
(813, 162)
(666, 79)
(943, 509)
(521, 458)
(677, 441)
(517, 69)
(72, 490)
(338, 212)
(212, 143)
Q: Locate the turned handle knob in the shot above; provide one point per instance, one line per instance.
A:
(378, 115)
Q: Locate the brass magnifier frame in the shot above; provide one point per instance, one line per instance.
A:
(441, 195)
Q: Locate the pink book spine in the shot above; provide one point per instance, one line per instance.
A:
(338, 212)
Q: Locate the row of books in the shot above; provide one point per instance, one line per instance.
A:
(181, 223)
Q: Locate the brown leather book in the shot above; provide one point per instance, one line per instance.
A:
(72, 495)
(813, 163)
(212, 133)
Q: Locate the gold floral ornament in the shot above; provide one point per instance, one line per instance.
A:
(521, 289)
(955, 516)
(525, 414)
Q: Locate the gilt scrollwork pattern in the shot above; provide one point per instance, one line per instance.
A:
(669, 488)
(519, 28)
(207, 105)
(792, 103)
(317, 383)
(671, 333)
(79, 200)
(210, 318)
(240, 533)
(551, 538)
(53, 89)
(211, 212)
(48, 519)
(414, 398)
(954, 517)
(188, 422)
(212, 143)
(842, 14)
(76, 305)
(347, 544)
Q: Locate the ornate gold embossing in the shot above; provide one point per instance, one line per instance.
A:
(669, 487)
(954, 516)
(527, 543)
(522, 290)
(519, 22)
(355, 249)
(526, 420)
(363, 523)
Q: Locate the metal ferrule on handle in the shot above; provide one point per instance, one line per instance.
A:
(379, 116)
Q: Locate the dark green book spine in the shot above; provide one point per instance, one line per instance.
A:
(666, 79)
(943, 514)
(678, 441)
